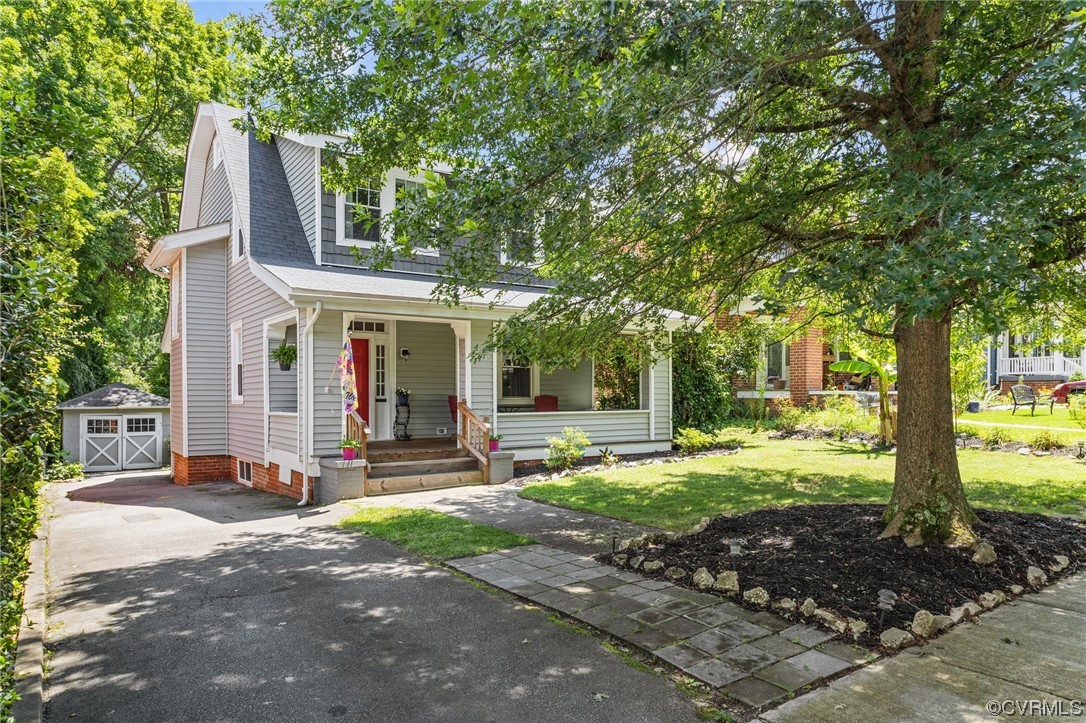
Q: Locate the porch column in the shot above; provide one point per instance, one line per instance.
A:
(805, 371)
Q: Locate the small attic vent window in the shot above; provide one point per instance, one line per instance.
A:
(216, 153)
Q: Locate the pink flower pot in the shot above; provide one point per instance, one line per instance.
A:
(494, 444)
(348, 454)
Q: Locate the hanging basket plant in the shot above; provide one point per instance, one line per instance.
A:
(286, 354)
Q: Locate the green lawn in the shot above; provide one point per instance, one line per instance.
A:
(782, 472)
(432, 535)
(1060, 417)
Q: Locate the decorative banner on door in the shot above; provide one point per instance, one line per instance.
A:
(345, 367)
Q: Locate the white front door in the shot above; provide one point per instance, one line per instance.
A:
(101, 446)
(142, 442)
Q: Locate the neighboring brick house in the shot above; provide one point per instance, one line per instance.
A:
(263, 257)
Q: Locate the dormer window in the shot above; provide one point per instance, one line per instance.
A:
(522, 246)
(362, 214)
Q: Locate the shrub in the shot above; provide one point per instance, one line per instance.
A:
(608, 458)
(789, 416)
(995, 437)
(1077, 377)
(968, 430)
(692, 441)
(565, 451)
(1045, 440)
(61, 471)
(840, 416)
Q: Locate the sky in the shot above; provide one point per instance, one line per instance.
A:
(218, 9)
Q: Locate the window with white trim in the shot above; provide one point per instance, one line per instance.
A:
(175, 299)
(778, 361)
(216, 153)
(245, 471)
(406, 189)
(522, 246)
(136, 425)
(237, 369)
(518, 378)
(362, 214)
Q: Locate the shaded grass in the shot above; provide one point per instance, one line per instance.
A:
(785, 472)
(432, 535)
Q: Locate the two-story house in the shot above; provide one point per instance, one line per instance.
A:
(262, 256)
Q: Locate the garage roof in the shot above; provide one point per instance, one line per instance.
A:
(115, 395)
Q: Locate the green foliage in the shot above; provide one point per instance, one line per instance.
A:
(63, 471)
(700, 384)
(608, 458)
(968, 430)
(284, 353)
(1076, 407)
(565, 451)
(789, 416)
(693, 441)
(1077, 377)
(617, 376)
(967, 365)
(881, 368)
(1045, 440)
(840, 416)
(429, 534)
(995, 437)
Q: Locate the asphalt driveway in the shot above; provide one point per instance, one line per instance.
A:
(217, 603)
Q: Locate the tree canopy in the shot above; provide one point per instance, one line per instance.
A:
(903, 163)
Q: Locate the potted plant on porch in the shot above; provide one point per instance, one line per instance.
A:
(286, 354)
(351, 448)
(495, 443)
(402, 395)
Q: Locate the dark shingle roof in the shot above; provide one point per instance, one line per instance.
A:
(115, 395)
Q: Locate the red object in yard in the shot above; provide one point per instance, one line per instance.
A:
(1061, 392)
(452, 407)
(546, 403)
(494, 445)
(348, 453)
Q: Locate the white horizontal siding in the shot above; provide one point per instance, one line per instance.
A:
(528, 429)
(482, 372)
(216, 205)
(300, 166)
(429, 372)
(327, 405)
(283, 432)
(250, 301)
(573, 387)
(661, 402)
(282, 386)
(206, 348)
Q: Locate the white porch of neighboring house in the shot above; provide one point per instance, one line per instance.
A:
(436, 358)
(1012, 359)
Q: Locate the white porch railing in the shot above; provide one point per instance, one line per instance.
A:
(1055, 365)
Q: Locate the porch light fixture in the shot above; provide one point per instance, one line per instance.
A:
(405, 353)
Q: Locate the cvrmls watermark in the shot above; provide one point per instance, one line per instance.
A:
(1030, 708)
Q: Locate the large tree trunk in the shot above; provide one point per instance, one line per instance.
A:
(928, 504)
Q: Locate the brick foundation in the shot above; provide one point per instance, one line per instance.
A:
(1037, 384)
(220, 468)
(197, 470)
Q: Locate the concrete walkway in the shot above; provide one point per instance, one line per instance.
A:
(1033, 649)
(218, 603)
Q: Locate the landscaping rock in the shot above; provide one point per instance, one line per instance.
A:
(620, 559)
(785, 605)
(1062, 561)
(984, 554)
(988, 600)
(700, 527)
(703, 579)
(675, 573)
(633, 543)
(895, 638)
(964, 612)
(653, 566)
(808, 607)
(924, 625)
(943, 621)
(635, 562)
(727, 582)
(1035, 576)
(1024, 450)
(831, 620)
(1017, 589)
(757, 596)
(856, 628)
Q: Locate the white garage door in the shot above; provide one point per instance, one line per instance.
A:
(129, 441)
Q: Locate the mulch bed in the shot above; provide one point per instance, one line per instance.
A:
(831, 553)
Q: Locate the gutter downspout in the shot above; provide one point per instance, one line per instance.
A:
(307, 400)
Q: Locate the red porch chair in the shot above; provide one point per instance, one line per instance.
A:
(452, 408)
(546, 403)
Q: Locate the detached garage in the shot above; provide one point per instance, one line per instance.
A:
(116, 427)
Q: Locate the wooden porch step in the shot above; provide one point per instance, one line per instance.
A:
(412, 467)
(420, 482)
(384, 456)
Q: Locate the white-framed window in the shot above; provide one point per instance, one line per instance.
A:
(245, 471)
(380, 371)
(519, 379)
(360, 224)
(778, 361)
(175, 299)
(522, 246)
(216, 153)
(136, 425)
(237, 368)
